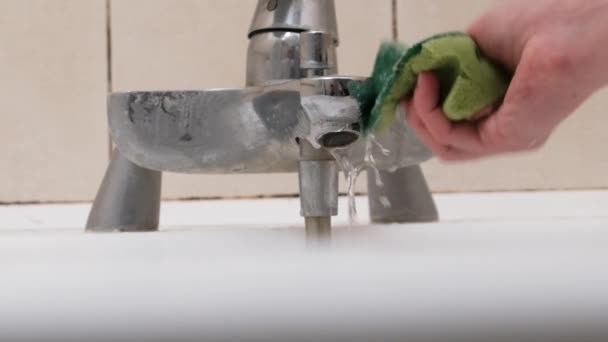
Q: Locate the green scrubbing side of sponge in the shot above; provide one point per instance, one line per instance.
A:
(468, 81)
(367, 93)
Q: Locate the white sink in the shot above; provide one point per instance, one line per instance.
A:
(499, 265)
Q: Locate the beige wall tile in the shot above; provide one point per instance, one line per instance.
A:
(160, 44)
(363, 24)
(53, 86)
(419, 19)
(574, 158)
(179, 44)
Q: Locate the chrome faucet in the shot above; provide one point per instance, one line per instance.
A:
(293, 110)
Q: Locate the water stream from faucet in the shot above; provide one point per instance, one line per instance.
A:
(353, 167)
(351, 172)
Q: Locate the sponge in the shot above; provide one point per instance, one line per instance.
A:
(468, 81)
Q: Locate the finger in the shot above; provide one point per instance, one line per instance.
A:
(463, 136)
(444, 152)
(426, 94)
(484, 113)
(493, 35)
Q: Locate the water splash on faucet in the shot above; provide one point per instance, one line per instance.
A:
(352, 168)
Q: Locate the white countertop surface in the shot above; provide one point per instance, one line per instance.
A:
(512, 265)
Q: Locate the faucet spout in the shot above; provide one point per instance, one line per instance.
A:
(338, 139)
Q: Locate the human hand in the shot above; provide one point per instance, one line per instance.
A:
(556, 50)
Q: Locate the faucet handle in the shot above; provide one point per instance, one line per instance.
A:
(317, 53)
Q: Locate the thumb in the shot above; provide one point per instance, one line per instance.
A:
(496, 40)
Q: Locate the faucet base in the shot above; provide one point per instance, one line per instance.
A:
(407, 193)
(318, 178)
(128, 199)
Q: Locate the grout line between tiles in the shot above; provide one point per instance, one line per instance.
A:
(394, 20)
(109, 65)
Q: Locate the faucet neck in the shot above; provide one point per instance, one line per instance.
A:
(295, 16)
(292, 39)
